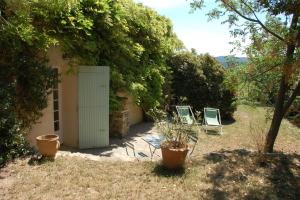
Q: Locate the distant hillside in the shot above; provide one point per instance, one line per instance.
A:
(222, 60)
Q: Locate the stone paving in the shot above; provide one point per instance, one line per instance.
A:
(117, 150)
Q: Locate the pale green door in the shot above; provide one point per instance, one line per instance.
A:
(93, 106)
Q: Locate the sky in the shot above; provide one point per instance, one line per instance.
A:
(194, 29)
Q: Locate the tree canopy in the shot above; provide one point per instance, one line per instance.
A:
(201, 80)
(275, 33)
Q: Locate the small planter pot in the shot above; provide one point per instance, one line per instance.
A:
(174, 158)
(48, 145)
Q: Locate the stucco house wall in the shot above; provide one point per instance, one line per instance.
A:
(68, 105)
(135, 112)
(70, 108)
(44, 124)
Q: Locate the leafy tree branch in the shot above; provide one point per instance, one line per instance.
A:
(256, 20)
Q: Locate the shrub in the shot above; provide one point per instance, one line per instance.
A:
(25, 79)
(12, 141)
(256, 87)
(200, 79)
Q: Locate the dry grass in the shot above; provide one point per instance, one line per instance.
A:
(219, 175)
(214, 173)
(237, 134)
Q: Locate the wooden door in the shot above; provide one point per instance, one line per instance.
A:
(93, 106)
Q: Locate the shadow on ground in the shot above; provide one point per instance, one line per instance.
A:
(160, 170)
(228, 121)
(37, 159)
(137, 130)
(241, 174)
(295, 122)
(213, 132)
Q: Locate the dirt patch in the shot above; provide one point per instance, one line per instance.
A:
(241, 174)
(6, 180)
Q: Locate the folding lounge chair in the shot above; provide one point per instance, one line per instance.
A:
(212, 118)
(186, 115)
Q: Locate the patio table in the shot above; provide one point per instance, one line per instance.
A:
(153, 141)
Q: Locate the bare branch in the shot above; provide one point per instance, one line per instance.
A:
(256, 20)
(246, 82)
(267, 70)
(238, 12)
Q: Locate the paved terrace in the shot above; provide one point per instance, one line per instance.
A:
(117, 150)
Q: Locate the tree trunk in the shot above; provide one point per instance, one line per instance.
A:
(277, 117)
(279, 112)
(272, 134)
(280, 108)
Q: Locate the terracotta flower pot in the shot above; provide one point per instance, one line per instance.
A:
(48, 144)
(173, 158)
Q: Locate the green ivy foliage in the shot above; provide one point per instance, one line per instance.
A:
(200, 79)
(25, 80)
(130, 38)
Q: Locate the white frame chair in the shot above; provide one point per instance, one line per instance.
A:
(183, 120)
(213, 122)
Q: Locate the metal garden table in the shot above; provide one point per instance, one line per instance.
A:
(154, 142)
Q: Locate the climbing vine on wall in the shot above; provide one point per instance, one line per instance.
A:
(130, 38)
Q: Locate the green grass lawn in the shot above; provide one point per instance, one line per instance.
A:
(223, 167)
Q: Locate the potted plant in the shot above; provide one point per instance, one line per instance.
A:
(174, 146)
(48, 145)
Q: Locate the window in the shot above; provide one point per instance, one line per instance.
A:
(56, 103)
